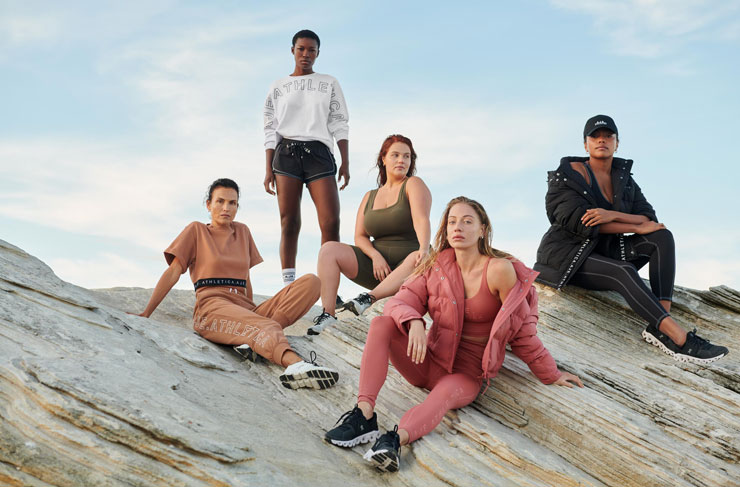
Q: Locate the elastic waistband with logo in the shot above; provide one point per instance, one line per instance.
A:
(220, 281)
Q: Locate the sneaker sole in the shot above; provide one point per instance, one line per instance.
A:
(313, 379)
(695, 360)
(384, 460)
(652, 340)
(366, 438)
(678, 357)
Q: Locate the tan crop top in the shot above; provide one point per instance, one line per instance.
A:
(214, 253)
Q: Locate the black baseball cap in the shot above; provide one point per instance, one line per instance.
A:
(599, 122)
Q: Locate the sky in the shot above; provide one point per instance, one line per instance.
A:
(115, 117)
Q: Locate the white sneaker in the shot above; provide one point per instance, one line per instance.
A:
(309, 374)
(359, 304)
(322, 321)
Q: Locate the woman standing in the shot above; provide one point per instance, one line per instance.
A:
(480, 300)
(396, 217)
(219, 256)
(304, 114)
(591, 203)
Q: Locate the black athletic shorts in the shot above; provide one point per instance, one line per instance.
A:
(307, 161)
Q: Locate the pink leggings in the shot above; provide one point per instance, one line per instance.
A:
(447, 391)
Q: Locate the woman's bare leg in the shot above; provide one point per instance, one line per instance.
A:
(335, 258)
(392, 283)
(289, 192)
(325, 196)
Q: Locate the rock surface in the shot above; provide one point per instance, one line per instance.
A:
(90, 395)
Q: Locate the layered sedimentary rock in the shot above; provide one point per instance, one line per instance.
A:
(90, 395)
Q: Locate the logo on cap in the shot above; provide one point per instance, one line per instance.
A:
(600, 122)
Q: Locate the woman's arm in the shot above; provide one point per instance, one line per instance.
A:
(169, 278)
(269, 175)
(501, 278)
(343, 171)
(362, 240)
(420, 201)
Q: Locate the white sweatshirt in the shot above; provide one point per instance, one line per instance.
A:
(309, 107)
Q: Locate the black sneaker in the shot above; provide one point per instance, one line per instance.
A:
(698, 350)
(355, 429)
(359, 304)
(653, 336)
(385, 452)
(247, 352)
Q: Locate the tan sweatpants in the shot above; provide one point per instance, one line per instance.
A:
(225, 315)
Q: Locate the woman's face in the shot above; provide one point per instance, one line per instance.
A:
(223, 205)
(464, 227)
(305, 53)
(601, 144)
(397, 161)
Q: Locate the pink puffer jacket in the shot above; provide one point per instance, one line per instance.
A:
(440, 291)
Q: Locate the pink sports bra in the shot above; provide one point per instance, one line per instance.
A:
(480, 310)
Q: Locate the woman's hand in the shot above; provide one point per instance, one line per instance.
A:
(381, 269)
(420, 256)
(566, 378)
(417, 348)
(270, 181)
(648, 227)
(597, 216)
(343, 172)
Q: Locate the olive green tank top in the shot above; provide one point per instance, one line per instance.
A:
(392, 223)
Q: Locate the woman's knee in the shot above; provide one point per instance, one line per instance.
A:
(311, 282)
(329, 224)
(290, 223)
(663, 237)
(382, 326)
(329, 251)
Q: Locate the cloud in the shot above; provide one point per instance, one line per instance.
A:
(654, 28)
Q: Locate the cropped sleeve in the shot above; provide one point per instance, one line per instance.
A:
(184, 247)
(338, 122)
(254, 255)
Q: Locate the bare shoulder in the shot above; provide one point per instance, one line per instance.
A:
(416, 185)
(501, 274)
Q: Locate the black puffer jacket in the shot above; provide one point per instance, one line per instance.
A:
(568, 242)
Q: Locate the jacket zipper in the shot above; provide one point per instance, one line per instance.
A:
(573, 263)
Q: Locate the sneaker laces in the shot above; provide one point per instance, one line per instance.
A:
(365, 298)
(346, 416)
(323, 316)
(312, 358)
(699, 341)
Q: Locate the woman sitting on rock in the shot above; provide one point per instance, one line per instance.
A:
(591, 203)
(219, 256)
(396, 216)
(480, 299)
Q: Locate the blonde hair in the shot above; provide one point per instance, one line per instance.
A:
(441, 243)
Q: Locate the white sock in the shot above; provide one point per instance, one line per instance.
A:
(288, 276)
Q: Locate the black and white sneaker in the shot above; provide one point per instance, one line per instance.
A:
(355, 429)
(247, 352)
(385, 452)
(321, 322)
(696, 349)
(359, 304)
(308, 374)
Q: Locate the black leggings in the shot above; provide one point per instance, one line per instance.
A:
(603, 273)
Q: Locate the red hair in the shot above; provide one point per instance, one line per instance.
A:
(387, 143)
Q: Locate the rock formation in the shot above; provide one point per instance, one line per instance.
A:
(90, 395)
